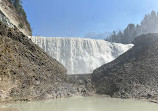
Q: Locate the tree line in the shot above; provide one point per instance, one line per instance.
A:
(148, 25)
(18, 6)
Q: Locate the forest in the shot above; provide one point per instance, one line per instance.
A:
(148, 25)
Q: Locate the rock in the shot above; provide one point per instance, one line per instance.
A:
(134, 74)
(10, 16)
(26, 71)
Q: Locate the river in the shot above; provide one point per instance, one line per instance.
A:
(84, 104)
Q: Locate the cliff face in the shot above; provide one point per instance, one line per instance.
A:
(133, 74)
(9, 16)
(26, 71)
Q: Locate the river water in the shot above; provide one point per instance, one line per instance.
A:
(85, 104)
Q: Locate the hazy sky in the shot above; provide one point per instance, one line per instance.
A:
(78, 17)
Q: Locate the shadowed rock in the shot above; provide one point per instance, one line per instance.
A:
(134, 74)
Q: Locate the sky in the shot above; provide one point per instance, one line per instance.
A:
(76, 18)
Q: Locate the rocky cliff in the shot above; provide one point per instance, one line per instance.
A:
(10, 17)
(133, 74)
(26, 71)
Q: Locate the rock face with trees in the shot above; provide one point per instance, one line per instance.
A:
(18, 6)
(148, 25)
(133, 74)
(12, 13)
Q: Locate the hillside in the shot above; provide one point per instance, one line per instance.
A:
(133, 74)
(26, 71)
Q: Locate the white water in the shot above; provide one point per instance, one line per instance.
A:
(80, 55)
(84, 104)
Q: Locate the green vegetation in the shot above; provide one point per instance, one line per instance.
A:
(21, 25)
(18, 5)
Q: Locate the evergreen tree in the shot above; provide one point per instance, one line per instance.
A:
(148, 25)
(18, 6)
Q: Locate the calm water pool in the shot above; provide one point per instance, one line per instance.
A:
(85, 104)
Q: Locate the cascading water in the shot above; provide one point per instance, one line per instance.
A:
(80, 55)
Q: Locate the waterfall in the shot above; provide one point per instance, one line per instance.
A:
(80, 55)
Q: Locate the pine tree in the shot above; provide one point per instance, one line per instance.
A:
(148, 25)
(18, 6)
